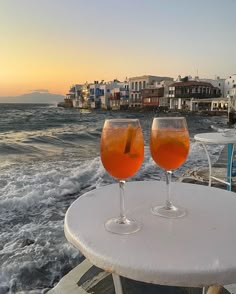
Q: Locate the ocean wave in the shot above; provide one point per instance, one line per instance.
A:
(34, 199)
(14, 148)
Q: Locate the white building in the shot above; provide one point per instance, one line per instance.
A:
(106, 92)
(136, 84)
(84, 101)
(95, 94)
(218, 82)
(230, 92)
(230, 85)
(119, 98)
(75, 91)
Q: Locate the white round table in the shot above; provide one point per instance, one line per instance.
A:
(219, 139)
(194, 251)
(215, 138)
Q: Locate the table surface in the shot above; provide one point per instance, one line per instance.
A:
(196, 250)
(215, 138)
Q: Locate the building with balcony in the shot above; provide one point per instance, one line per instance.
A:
(109, 94)
(95, 94)
(151, 97)
(137, 84)
(181, 93)
(230, 94)
(230, 85)
(217, 83)
(119, 98)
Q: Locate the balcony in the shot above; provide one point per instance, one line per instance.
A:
(196, 95)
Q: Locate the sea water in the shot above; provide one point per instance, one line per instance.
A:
(49, 156)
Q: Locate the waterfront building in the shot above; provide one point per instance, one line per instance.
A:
(156, 95)
(71, 98)
(75, 93)
(95, 93)
(150, 96)
(119, 98)
(137, 84)
(84, 101)
(107, 92)
(68, 102)
(75, 90)
(230, 93)
(217, 83)
(230, 85)
(182, 93)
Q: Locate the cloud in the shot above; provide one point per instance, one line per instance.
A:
(40, 90)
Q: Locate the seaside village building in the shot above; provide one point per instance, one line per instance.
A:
(197, 94)
(155, 92)
(79, 96)
(230, 92)
(115, 95)
(106, 95)
(119, 98)
(155, 96)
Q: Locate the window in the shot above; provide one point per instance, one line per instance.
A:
(144, 84)
(140, 86)
(147, 100)
(132, 85)
(136, 86)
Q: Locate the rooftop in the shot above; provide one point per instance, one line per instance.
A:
(191, 83)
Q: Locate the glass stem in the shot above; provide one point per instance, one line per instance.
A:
(168, 182)
(122, 202)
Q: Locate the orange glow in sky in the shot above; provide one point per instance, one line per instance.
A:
(54, 44)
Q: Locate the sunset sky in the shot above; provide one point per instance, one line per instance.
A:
(51, 44)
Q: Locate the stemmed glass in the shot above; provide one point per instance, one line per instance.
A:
(122, 153)
(169, 146)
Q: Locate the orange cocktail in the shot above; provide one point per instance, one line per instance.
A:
(169, 147)
(122, 150)
(122, 153)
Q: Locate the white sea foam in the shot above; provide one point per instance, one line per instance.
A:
(34, 198)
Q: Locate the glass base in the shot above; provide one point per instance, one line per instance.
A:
(169, 212)
(123, 227)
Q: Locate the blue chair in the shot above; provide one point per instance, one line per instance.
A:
(231, 165)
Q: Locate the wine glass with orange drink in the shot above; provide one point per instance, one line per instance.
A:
(169, 146)
(122, 153)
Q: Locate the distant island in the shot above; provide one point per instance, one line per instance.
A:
(33, 97)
